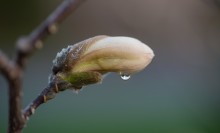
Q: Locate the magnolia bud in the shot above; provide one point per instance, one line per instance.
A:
(103, 54)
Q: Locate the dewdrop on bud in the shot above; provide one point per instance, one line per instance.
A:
(103, 54)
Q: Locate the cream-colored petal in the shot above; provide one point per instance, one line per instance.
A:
(114, 54)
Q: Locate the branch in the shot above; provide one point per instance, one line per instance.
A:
(47, 94)
(25, 47)
(5, 66)
(13, 75)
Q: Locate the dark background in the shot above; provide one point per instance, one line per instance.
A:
(177, 93)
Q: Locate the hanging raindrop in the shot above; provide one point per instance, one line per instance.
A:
(125, 76)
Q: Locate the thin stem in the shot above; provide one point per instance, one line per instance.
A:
(47, 94)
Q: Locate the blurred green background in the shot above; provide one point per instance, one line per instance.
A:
(178, 92)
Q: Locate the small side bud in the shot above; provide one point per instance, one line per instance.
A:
(53, 28)
(39, 44)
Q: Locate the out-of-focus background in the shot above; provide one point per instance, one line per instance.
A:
(179, 92)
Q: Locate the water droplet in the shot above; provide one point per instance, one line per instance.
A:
(125, 76)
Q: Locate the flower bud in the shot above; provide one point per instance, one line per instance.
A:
(103, 54)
